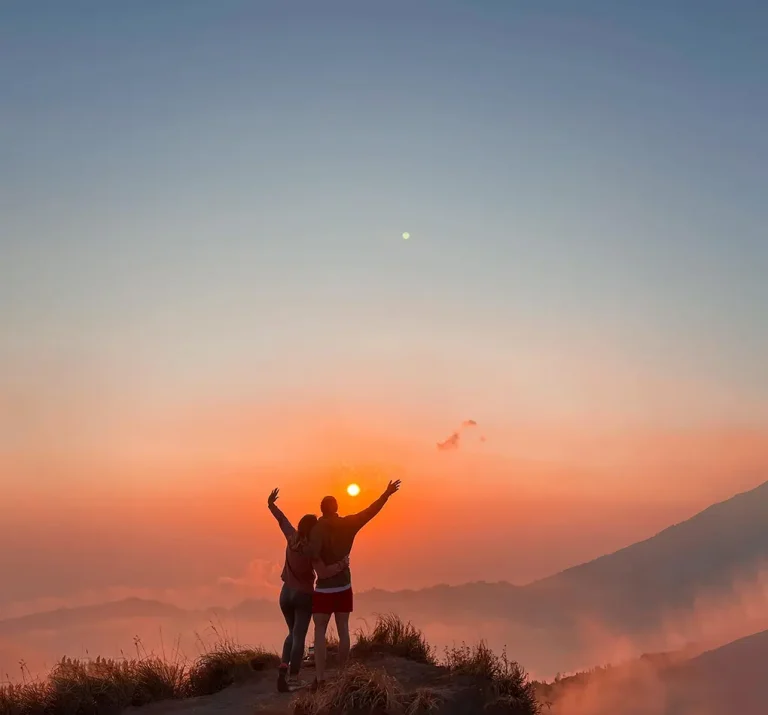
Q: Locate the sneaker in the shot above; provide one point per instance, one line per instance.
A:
(295, 682)
(282, 681)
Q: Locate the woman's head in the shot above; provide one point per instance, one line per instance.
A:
(306, 524)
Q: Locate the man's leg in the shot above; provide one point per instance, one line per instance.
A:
(321, 626)
(342, 626)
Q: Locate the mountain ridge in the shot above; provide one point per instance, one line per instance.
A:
(632, 589)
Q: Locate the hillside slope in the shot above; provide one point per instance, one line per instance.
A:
(729, 680)
(725, 681)
(635, 586)
(629, 590)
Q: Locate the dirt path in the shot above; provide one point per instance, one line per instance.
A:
(257, 696)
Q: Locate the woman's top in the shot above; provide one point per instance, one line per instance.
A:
(299, 570)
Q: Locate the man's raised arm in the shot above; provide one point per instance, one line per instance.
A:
(360, 519)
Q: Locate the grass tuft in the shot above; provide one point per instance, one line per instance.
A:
(155, 679)
(106, 686)
(392, 635)
(227, 664)
(358, 689)
(509, 687)
(423, 702)
(24, 699)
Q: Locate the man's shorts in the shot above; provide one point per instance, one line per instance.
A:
(336, 602)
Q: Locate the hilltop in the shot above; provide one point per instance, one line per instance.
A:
(393, 672)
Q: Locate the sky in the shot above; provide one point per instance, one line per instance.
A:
(205, 292)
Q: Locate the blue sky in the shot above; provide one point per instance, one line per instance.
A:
(204, 198)
(202, 274)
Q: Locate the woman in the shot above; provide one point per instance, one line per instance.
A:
(296, 595)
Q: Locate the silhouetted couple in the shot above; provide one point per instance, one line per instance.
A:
(318, 546)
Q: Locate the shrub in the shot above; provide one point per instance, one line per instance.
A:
(220, 668)
(391, 635)
(509, 688)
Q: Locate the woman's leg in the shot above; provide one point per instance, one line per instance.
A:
(289, 613)
(302, 617)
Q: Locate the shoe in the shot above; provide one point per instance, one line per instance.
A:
(282, 681)
(295, 682)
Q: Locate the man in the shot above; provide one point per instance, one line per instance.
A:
(331, 540)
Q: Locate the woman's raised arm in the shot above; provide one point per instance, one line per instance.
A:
(285, 526)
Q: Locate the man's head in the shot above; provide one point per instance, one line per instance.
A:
(329, 506)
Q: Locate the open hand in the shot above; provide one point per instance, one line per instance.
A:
(273, 497)
(392, 487)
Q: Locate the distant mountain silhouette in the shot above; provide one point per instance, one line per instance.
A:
(254, 609)
(72, 617)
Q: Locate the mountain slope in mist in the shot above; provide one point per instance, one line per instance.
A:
(724, 681)
(630, 590)
(705, 555)
(729, 680)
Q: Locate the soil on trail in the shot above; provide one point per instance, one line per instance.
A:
(255, 695)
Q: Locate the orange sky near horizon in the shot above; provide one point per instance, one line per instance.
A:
(174, 504)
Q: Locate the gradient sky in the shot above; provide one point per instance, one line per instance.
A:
(204, 289)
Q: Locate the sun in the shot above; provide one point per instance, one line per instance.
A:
(353, 490)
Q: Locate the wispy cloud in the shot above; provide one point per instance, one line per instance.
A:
(451, 443)
(454, 440)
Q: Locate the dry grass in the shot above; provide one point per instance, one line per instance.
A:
(361, 689)
(26, 699)
(393, 636)
(358, 689)
(423, 702)
(226, 664)
(509, 688)
(96, 687)
(107, 686)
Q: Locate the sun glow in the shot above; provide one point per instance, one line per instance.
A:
(353, 490)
